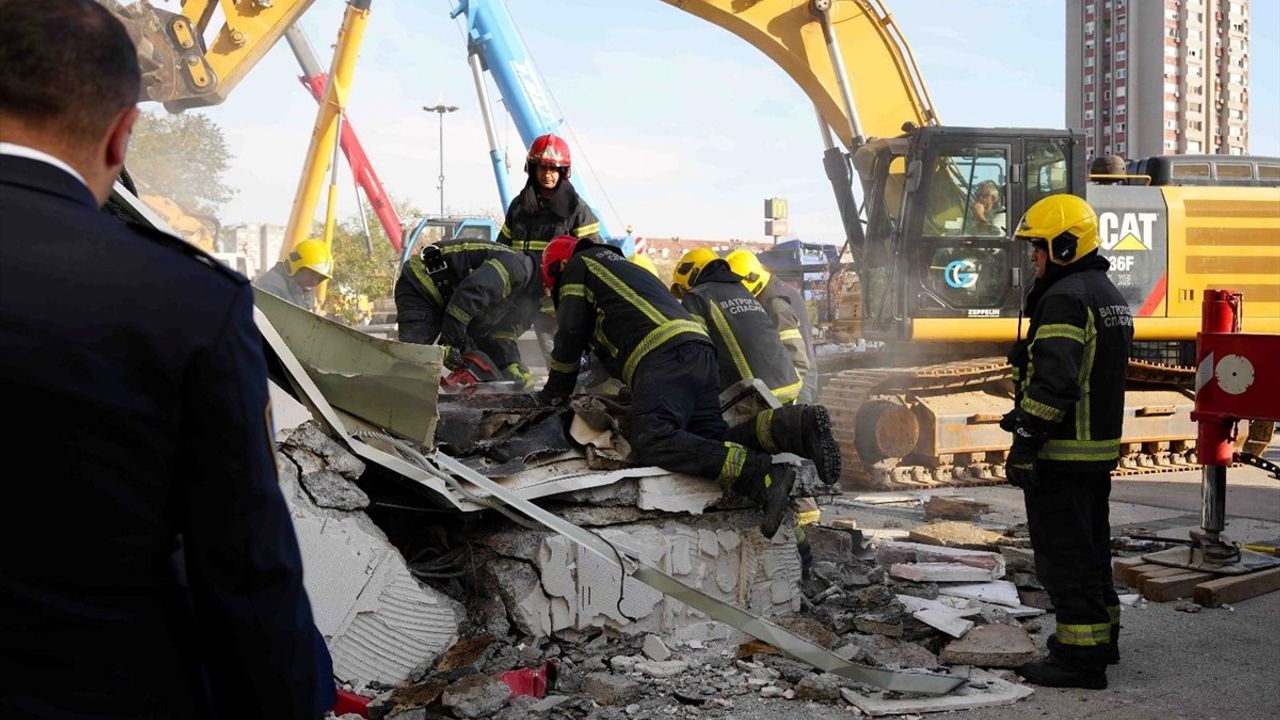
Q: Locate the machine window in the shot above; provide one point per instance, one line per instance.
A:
(1047, 169)
(1235, 171)
(1191, 171)
(1268, 172)
(968, 194)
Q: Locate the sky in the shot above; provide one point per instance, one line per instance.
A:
(678, 128)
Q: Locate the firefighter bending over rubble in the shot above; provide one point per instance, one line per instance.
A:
(785, 306)
(642, 335)
(469, 294)
(749, 347)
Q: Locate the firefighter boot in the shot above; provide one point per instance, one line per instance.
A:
(801, 429)
(769, 487)
(1069, 666)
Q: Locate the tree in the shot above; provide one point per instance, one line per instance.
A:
(182, 157)
(361, 277)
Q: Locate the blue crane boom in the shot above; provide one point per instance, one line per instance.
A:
(494, 44)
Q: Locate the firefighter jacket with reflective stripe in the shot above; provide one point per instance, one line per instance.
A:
(745, 338)
(1070, 374)
(481, 282)
(533, 220)
(617, 309)
(786, 308)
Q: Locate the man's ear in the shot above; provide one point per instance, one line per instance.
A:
(118, 137)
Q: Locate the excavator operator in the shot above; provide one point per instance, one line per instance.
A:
(641, 334)
(469, 293)
(295, 278)
(786, 308)
(1066, 424)
(749, 347)
(547, 206)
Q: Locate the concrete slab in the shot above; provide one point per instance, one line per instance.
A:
(720, 553)
(984, 690)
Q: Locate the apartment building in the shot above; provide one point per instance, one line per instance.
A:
(1158, 77)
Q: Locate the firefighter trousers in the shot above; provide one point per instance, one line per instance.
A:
(676, 422)
(1069, 520)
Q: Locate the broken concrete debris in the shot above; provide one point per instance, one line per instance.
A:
(618, 648)
(992, 646)
(379, 621)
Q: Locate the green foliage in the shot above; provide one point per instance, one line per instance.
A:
(361, 277)
(182, 157)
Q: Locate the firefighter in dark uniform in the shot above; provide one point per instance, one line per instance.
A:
(150, 565)
(547, 206)
(469, 293)
(746, 341)
(748, 346)
(786, 307)
(644, 337)
(1066, 425)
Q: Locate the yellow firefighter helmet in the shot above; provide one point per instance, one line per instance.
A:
(754, 274)
(312, 254)
(643, 261)
(687, 270)
(1065, 224)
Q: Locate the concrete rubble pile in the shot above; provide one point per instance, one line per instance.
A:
(609, 670)
(496, 606)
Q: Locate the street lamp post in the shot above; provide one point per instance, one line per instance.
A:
(440, 110)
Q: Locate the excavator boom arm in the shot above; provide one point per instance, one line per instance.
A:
(885, 84)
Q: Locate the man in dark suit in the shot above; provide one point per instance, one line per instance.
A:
(149, 568)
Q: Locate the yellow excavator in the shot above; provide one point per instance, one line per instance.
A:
(940, 289)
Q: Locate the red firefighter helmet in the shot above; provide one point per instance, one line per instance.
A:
(558, 250)
(549, 150)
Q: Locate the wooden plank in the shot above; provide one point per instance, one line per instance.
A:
(1172, 587)
(1160, 572)
(1129, 574)
(1237, 587)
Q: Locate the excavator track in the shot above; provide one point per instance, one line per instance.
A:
(846, 393)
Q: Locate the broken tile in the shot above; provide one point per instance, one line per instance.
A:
(992, 646)
(888, 553)
(940, 572)
(984, 689)
(1000, 592)
(946, 621)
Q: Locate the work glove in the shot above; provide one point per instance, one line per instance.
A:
(516, 371)
(452, 358)
(1020, 466)
(1009, 423)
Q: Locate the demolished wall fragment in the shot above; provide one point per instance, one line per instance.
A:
(379, 622)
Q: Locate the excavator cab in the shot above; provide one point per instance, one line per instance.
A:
(941, 207)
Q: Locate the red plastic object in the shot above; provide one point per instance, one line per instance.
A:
(349, 702)
(528, 681)
(1234, 377)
